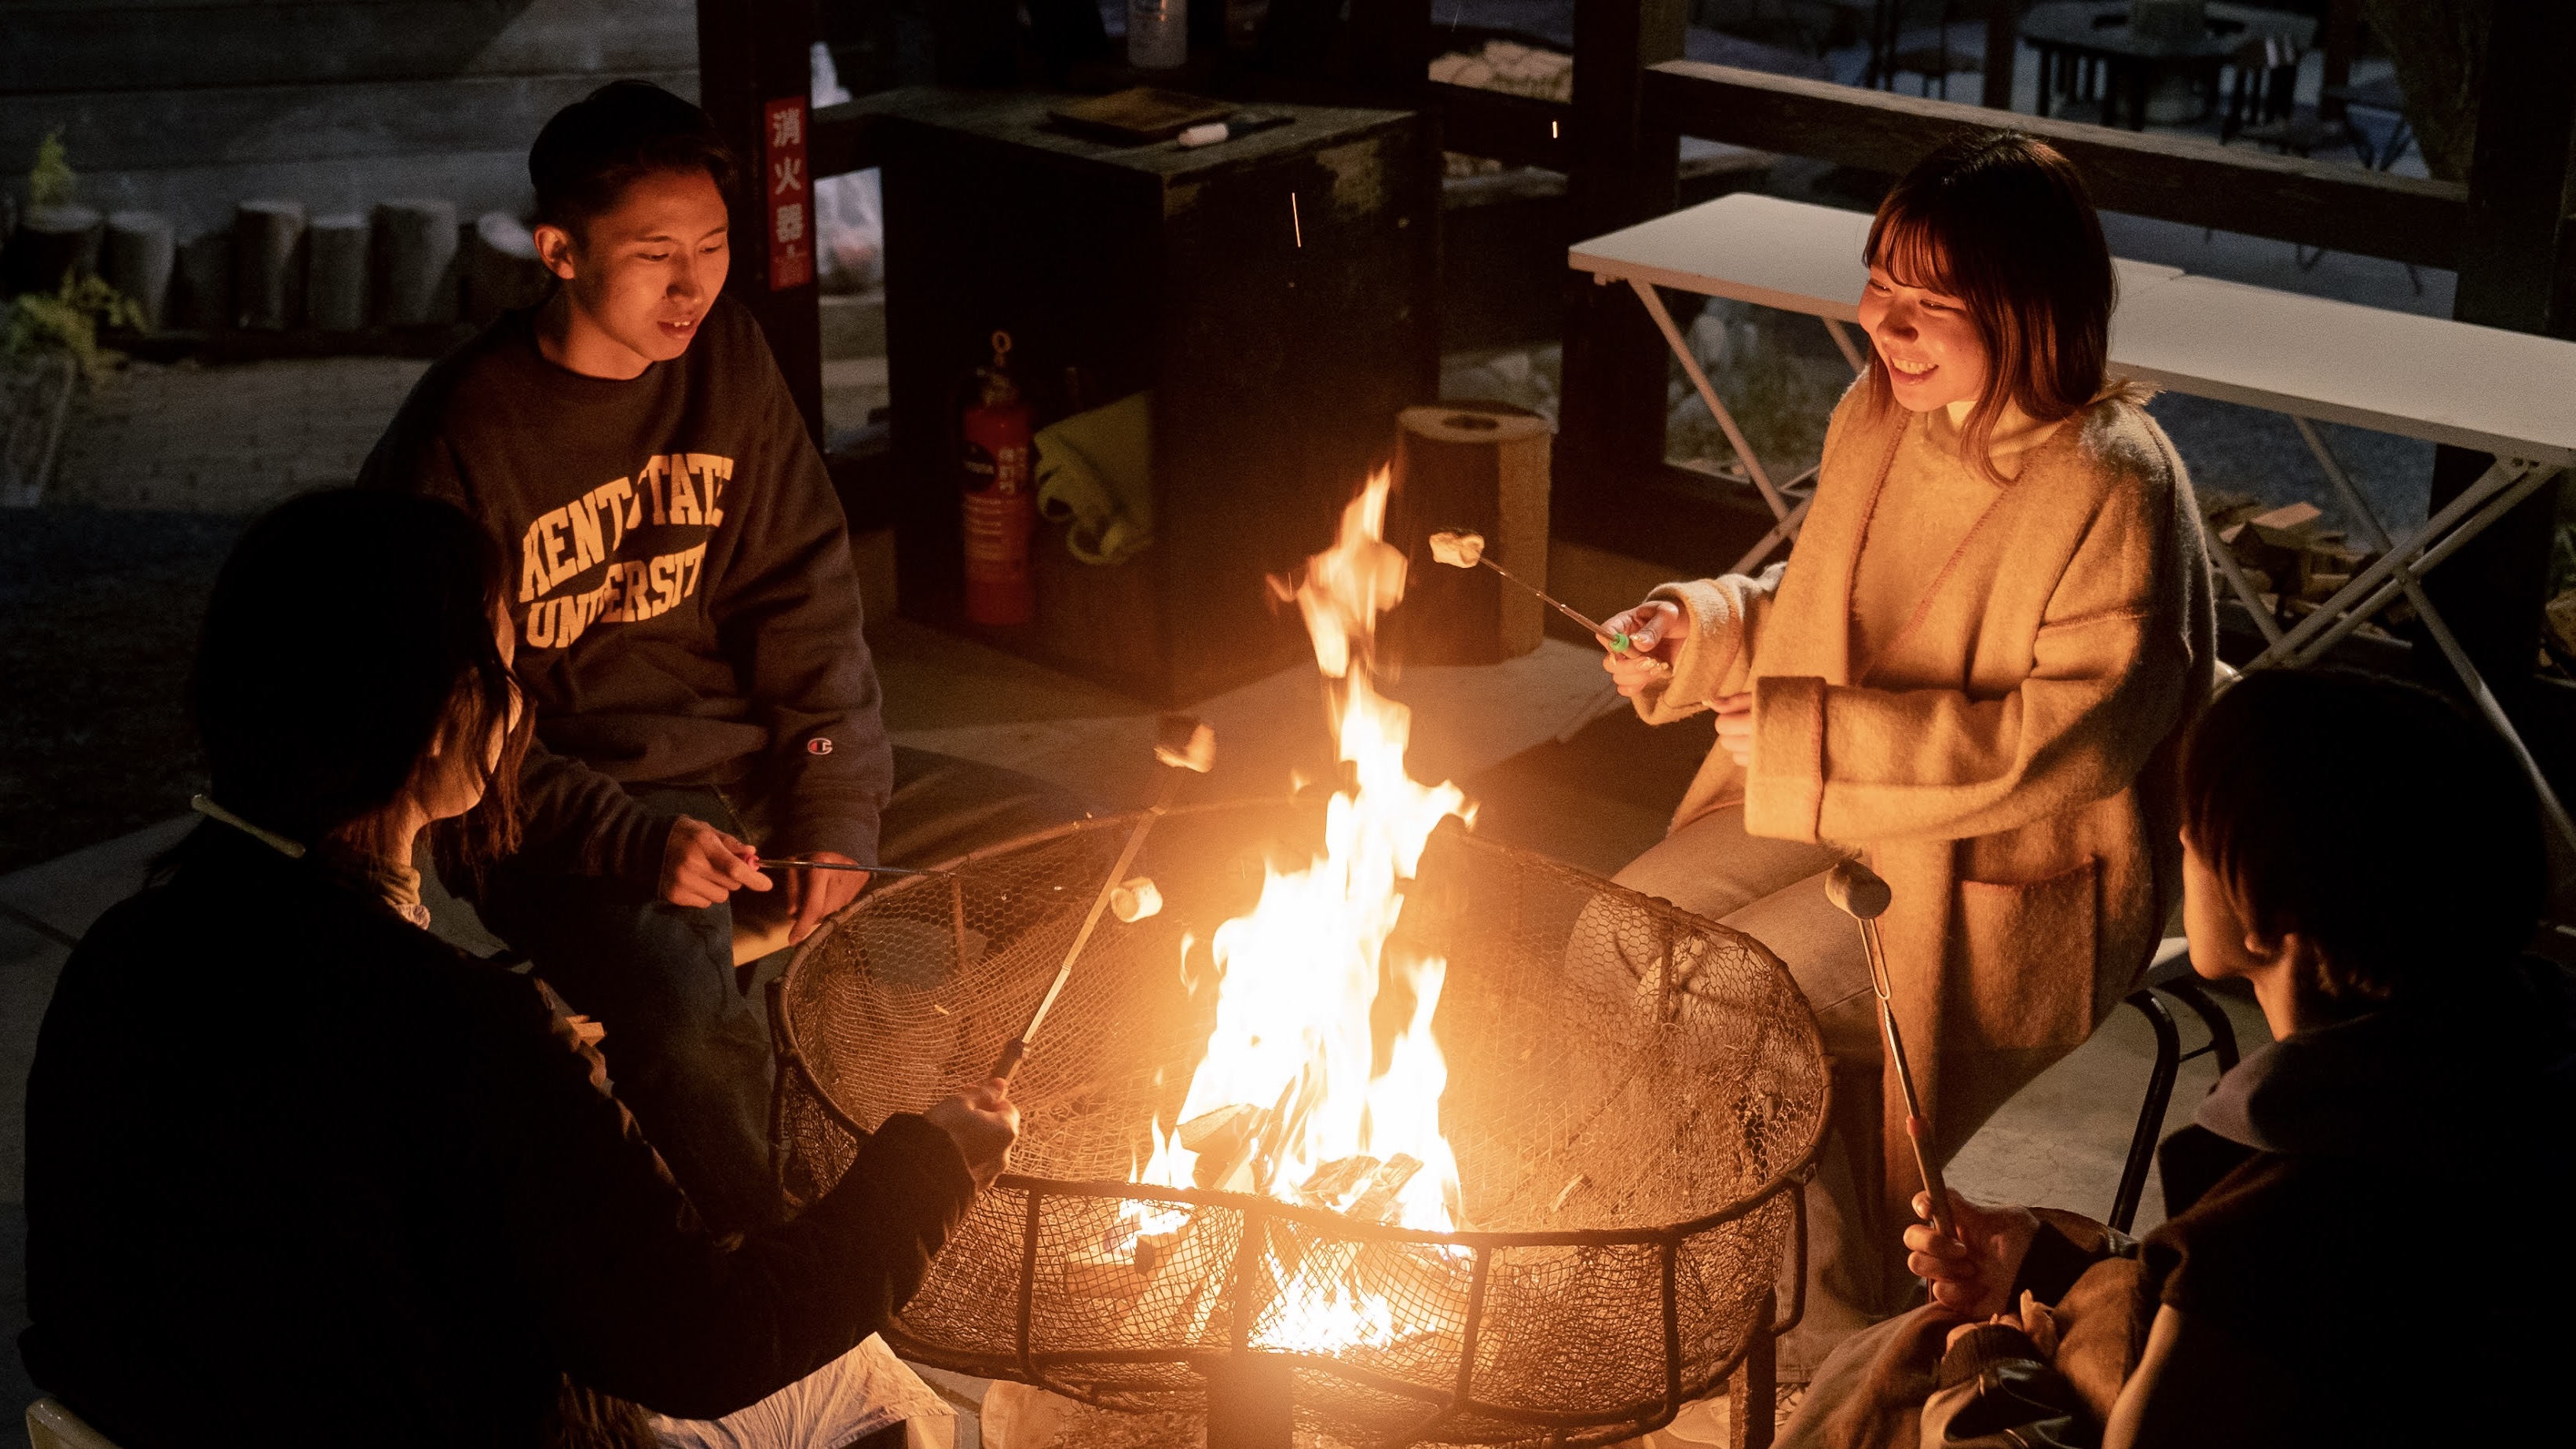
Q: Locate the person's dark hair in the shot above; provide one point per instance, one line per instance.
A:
(2003, 223)
(595, 148)
(2374, 818)
(346, 629)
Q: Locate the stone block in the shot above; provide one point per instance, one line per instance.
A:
(268, 264)
(335, 289)
(141, 254)
(415, 259)
(501, 268)
(50, 243)
(201, 298)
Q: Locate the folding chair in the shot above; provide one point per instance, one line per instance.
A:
(2170, 973)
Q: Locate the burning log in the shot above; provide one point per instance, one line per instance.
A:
(1335, 1181)
(1377, 1204)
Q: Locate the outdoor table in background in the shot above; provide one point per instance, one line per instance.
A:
(2382, 94)
(2503, 393)
(2074, 36)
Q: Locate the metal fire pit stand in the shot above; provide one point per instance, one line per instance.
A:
(1636, 1098)
(1250, 1402)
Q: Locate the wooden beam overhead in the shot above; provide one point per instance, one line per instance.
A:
(2343, 208)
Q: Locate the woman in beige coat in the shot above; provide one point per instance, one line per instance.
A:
(1973, 673)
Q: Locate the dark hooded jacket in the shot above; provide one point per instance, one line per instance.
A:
(299, 1173)
(2374, 1206)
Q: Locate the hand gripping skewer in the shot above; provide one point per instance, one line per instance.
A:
(1864, 897)
(1185, 744)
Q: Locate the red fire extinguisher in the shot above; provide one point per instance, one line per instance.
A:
(1001, 497)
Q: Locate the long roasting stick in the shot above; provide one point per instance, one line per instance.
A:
(1864, 897)
(798, 862)
(1464, 550)
(1186, 744)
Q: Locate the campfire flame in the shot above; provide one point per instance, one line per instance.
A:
(1289, 1064)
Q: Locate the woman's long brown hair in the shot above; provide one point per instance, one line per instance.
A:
(2003, 223)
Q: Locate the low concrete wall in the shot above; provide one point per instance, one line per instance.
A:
(187, 106)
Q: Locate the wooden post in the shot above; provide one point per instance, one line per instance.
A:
(1390, 48)
(2341, 41)
(754, 78)
(2517, 271)
(1610, 430)
(2003, 43)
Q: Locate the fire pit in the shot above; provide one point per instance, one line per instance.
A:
(1434, 1139)
(1628, 1141)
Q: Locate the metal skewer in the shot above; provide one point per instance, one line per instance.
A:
(798, 862)
(1462, 543)
(1185, 744)
(1864, 897)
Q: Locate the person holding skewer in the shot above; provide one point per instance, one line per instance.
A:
(690, 635)
(2359, 1246)
(301, 1173)
(1975, 671)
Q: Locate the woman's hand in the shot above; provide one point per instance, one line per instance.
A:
(1735, 726)
(702, 866)
(1971, 1275)
(983, 1123)
(1655, 630)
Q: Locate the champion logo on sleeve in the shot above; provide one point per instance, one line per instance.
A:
(818, 746)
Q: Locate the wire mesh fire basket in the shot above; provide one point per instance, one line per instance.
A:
(1634, 1096)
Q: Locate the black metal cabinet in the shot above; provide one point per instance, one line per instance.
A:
(1272, 290)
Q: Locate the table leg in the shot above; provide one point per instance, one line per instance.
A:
(2142, 79)
(2243, 587)
(2438, 627)
(1780, 532)
(2110, 93)
(1843, 341)
(2039, 97)
(2495, 493)
(1753, 469)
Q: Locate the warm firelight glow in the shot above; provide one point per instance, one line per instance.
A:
(1292, 1049)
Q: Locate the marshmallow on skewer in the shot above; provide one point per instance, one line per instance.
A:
(1458, 550)
(1135, 899)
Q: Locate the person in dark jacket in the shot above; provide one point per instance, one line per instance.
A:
(2362, 1247)
(298, 1172)
(689, 633)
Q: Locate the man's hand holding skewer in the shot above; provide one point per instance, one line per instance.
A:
(813, 895)
(1655, 631)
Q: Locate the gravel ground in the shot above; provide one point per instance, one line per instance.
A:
(102, 609)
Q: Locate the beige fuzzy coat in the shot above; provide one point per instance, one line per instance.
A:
(2008, 765)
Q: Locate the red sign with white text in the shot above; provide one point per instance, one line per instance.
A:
(788, 194)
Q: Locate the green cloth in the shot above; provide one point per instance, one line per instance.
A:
(1096, 472)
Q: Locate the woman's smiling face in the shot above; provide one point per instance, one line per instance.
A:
(1925, 339)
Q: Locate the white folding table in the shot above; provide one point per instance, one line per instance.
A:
(2510, 394)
